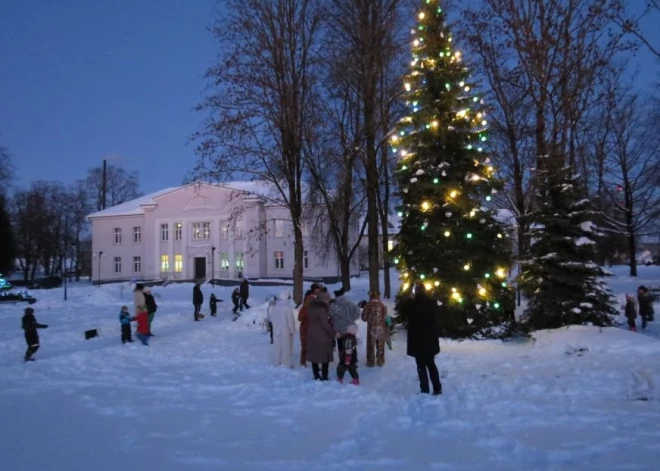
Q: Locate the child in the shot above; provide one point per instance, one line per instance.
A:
(30, 326)
(236, 298)
(142, 331)
(630, 309)
(348, 355)
(213, 304)
(388, 322)
(125, 321)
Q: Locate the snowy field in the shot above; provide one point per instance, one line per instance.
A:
(203, 396)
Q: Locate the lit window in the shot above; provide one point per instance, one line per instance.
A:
(164, 232)
(239, 258)
(164, 263)
(390, 245)
(178, 263)
(137, 264)
(201, 230)
(279, 260)
(117, 235)
(137, 235)
(117, 264)
(178, 231)
(224, 261)
(279, 228)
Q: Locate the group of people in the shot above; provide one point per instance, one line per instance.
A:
(144, 312)
(326, 322)
(645, 301)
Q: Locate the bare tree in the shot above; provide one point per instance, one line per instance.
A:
(6, 168)
(631, 25)
(261, 109)
(120, 186)
(78, 206)
(632, 170)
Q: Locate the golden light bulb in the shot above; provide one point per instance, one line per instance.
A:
(500, 272)
(490, 169)
(467, 89)
(426, 206)
(406, 286)
(428, 286)
(482, 292)
(472, 213)
(462, 113)
(395, 138)
(437, 283)
(484, 122)
(461, 84)
(404, 153)
(434, 124)
(453, 290)
(466, 267)
(421, 16)
(479, 115)
(453, 194)
(447, 233)
(407, 87)
(416, 42)
(499, 236)
(456, 296)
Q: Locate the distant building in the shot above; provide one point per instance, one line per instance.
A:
(203, 231)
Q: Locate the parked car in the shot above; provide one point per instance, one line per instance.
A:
(48, 282)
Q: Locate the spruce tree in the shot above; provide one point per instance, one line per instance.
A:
(450, 239)
(559, 276)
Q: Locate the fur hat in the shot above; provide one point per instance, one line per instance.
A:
(352, 329)
(284, 296)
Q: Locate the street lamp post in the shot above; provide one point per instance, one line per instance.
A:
(213, 266)
(66, 271)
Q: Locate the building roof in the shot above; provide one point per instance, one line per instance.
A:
(258, 189)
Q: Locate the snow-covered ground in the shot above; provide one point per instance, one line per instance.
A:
(203, 396)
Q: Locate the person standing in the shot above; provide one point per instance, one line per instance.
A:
(198, 300)
(630, 310)
(150, 302)
(142, 331)
(283, 328)
(645, 300)
(343, 313)
(213, 305)
(320, 339)
(30, 326)
(374, 314)
(423, 343)
(245, 293)
(125, 320)
(139, 301)
(303, 318)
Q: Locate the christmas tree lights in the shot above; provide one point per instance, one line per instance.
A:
(450, 238)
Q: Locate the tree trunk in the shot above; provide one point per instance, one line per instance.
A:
(345, 272)
(632, 243)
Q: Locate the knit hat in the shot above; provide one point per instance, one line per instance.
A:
(352, 329)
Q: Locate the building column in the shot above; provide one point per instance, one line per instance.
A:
(170, 248)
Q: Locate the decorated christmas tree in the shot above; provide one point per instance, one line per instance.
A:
(450, 239)
(559, 277)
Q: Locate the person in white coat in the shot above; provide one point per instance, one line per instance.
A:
(281, 317)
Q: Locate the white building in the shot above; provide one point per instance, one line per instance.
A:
(203, 231)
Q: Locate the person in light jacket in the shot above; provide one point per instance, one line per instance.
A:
(283, 329)
(139, 301)
(374, 315)
(320, 337)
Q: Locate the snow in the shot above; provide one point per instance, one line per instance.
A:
(132, 207)
(204, 396)
(580, 241)
(588, 226)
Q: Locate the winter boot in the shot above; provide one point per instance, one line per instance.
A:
(355, 382)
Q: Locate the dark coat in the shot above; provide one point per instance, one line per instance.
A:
(150, 301)
(198, 296)
(422, 327)
(645, 304)
(213, 303)
(30, 326)
(235, 297)
(320, 334)
(631, 310)
(245, 289)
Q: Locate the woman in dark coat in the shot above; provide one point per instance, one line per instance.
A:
(423, 343)
(320, 336)
(645, 300)
(198, 300)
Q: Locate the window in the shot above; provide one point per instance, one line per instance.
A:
(201, 230)
(117, 235)
(178, 263)
(117, 264)
(390, 245)
(224, 261)
(279, 260)
(238, 227)
(239, 257)
(279, 228)
(164, 232)
(137, 235)
(224, 230)
(137, 264)
(304, 227)
(178, 231)
(305, 259)
(164, 263)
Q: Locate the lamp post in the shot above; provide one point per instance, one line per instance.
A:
(100, 255)
(67, 271)
(213, 266)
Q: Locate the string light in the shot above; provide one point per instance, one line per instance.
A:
(422, 276)
(447, 233)
(437, 283)
(496, 305)
(500, 272)
(426, 206)
(469, 235)
(421, 16)
(407, 87)
(406, 286)
(499, 236)
(466, 267)
(436, 181)
(487, 275)
(453, 194)
(428, 286)
(482, 291)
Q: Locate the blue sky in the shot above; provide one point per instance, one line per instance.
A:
(81, 80)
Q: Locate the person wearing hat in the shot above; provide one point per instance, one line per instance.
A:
(303, 318)
(30, 326)
(283, 328)
(150, 302)
(342, 314)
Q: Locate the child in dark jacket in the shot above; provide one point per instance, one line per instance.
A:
(236, 298)
(213, 304)
(125, 319)
(348, 355)
(30, 326)
(630, 310)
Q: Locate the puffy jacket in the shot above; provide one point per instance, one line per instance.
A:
(125, 318)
